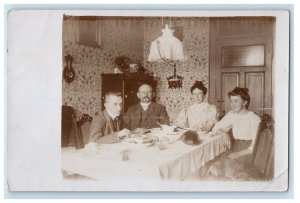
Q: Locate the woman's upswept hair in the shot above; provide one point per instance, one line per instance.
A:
(200, 86)
(242, 92)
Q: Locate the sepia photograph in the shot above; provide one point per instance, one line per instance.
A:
(168, 101)
(168, 98)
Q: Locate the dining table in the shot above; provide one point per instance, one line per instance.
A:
(156, 155)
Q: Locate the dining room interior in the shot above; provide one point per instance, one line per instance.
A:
(103, 52)
(131, 37)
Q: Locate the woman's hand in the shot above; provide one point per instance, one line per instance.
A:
(227, 141)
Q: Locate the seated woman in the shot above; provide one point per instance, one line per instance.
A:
(200, 116)
(243, 123)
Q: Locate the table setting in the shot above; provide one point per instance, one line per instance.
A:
(156, 154)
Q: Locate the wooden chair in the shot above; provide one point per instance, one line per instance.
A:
(83, 126)
(259, 165)
(71, 130)
(263, 152)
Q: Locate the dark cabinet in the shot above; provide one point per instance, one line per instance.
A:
(127, 84)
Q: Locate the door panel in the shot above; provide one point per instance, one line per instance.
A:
(255, 83)
(230, 81)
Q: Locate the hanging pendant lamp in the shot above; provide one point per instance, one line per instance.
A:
(167, 47)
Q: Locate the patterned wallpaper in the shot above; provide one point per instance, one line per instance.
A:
(195, 67)
(132, 37)
(117, 38)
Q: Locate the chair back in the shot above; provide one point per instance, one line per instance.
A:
(66, 125)
(74, 133)
(83, 126)
(263, 152)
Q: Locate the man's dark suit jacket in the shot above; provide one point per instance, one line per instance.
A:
(154, 114)
(102, 129)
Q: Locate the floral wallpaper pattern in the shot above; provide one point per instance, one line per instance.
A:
(132, 37)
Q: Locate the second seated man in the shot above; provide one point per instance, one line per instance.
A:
(146, 114)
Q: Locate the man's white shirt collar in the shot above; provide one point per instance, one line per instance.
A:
(145, 105)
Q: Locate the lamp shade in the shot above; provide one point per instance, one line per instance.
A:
(166, 47)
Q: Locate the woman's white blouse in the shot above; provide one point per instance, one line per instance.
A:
(244, 127)
(197, 116)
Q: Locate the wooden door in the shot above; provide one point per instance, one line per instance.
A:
(241, 60)
(244, 62)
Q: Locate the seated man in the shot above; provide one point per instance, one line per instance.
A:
(146, 114)
(106, 127)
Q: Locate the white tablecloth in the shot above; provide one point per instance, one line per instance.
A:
(175, 162)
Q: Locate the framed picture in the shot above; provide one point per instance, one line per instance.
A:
(88, 31)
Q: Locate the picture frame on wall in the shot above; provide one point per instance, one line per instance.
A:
(88, 31)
